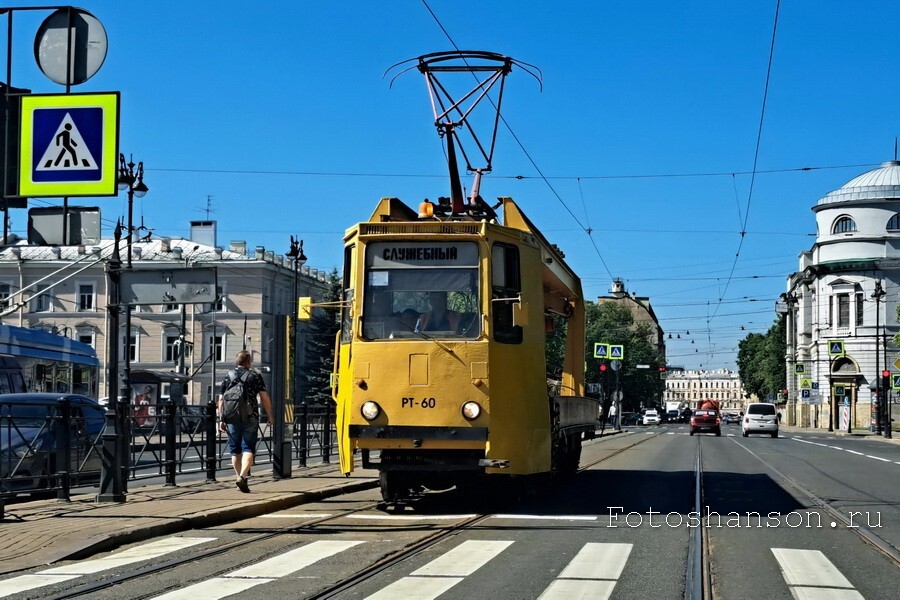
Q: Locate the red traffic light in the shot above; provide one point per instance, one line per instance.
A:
(662, 369)
(886, 373)
(603, 367)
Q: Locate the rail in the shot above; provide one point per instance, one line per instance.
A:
(47, 448)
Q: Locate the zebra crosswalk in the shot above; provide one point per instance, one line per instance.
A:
(593, 571)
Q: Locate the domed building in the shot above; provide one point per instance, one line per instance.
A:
(841, 304)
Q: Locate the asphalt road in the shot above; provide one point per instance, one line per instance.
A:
(621, 528)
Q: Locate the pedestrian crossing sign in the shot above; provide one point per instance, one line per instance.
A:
(835, 347)
(601, 350)
(799, 368)
(616, 352)
(69, 145)
(895, 381)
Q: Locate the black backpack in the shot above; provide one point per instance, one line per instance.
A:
(237, 405)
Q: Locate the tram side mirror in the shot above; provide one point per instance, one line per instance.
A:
(520, 312)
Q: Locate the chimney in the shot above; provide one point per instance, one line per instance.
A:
(203, 232)
(218, 252)
(165, 244)
(260, 252)
(239, 246)
(176, 251)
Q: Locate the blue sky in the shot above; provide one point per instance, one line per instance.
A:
(646, 129)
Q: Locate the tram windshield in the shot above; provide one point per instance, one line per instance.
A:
(416, 288)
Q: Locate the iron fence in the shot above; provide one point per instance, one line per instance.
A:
(48, 447)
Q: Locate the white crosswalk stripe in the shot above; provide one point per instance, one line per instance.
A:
(592, 574)
(441, 574)
(263, 572)
(811, 576)
(119, 559)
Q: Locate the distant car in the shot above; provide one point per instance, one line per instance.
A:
(731, 418)
(706, 420)
(28, 431)
(192, 417)
(760, 417)
(631, 418)
(651, 417)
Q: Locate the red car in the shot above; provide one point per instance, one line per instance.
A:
(706, 420)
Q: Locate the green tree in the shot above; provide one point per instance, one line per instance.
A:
(320, 331)
(761, 361)
(612, 323)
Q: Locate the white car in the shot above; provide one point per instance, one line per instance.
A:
(651, 417)
(761, 417)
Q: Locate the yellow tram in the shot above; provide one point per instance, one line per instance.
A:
(440, 362)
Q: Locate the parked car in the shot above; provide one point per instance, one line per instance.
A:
(651, 417)
(29, 425)
(631, 418)
(760, 417)
(706, 420)
(192, 417)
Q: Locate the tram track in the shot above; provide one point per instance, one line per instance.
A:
(868, 536)
(152, 569)
(357, 578)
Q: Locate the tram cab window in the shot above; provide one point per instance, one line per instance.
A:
(417, 289)
(506, 284)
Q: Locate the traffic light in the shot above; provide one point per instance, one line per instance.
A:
(885, 381)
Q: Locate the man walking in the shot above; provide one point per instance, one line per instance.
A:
(242, 436)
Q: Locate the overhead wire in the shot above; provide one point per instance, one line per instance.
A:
(527, 154)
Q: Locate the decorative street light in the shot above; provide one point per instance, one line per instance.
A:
(878, 294)
(132, 181)
(296, 254)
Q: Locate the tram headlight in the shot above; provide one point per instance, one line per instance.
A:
(370, 410)
(471, 410)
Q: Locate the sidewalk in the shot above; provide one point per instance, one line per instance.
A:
(45, 531)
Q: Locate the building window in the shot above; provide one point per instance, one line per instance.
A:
(844, 224)
(86, 297)
(171, 348)
(893, 223)
(216, 347)
(133, 348)
(42, 301)
(843, 301)
(219, 304)
(171, 307)
(860, 303)
(86, 338)
(5, 291)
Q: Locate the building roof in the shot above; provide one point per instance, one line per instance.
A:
(154, 249)
(880, 183)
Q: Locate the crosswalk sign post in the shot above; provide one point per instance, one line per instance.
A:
(69, 145)
(601, 350)
(616, 352)
(835, 348)
(799, 368)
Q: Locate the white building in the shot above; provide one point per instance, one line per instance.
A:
(830, 298)
(694, 387)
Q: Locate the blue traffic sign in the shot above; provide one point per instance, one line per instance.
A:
(601, 350)
(616, 352)
(804, 393)
(895, 382)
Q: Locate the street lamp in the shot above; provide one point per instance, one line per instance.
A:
(131, 181)
(296, 254)
(878, 294)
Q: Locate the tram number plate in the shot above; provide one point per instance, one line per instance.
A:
(415, 402)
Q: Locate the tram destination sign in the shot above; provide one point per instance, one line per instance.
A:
(168, 286)
(422, 254)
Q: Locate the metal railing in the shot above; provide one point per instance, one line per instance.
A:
(48, 448)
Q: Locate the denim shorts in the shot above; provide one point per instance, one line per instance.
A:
(242, 437)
